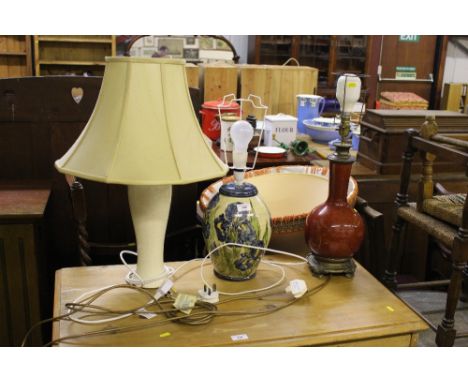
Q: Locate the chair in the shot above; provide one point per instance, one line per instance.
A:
(80, 218)
(443, 217)
(373, 246)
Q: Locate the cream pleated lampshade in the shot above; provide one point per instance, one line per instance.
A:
(143, 130)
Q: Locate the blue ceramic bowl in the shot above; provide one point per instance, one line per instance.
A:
(322, 129)
(326, 129)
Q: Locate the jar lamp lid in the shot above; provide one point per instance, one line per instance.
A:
(243, 190)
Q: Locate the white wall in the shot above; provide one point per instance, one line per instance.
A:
(241, 43)
(456, 64)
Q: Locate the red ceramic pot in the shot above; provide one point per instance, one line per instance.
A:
(210, 116)
(333, 229)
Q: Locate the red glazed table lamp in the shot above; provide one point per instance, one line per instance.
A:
(334, 230)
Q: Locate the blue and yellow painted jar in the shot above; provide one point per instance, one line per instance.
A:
(237, 214)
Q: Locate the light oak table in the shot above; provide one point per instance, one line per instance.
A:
(346, 312)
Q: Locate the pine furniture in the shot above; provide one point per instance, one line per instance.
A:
(346, 312)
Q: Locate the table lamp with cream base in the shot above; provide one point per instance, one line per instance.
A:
(144, 133)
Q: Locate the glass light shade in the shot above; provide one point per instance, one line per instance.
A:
(350, 97)
(143, 130)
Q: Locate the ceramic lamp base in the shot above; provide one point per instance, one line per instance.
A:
(149, 206)
(229, 278)
(321, 266)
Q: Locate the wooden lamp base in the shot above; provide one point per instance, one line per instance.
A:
(321, 266)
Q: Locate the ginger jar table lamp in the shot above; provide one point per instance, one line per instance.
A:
(144, 133)
(334, 230)
(237, 214)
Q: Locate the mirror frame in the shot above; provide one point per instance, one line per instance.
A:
(131, 41)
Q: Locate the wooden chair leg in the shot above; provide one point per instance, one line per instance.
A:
(464, 294)
(389, 277)
(446, 332)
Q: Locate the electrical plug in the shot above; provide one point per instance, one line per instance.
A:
(164, 289)
(208, 294)
(297, 288)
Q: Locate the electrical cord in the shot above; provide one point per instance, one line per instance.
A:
(81, 303)
(84, 306)
(97, 293)
(203, 312)
(172, 314)
(197, 317)
(278, 282)
(132, 274)
(172, 272)
(274, 264)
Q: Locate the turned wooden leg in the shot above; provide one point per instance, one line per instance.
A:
(389, 277)
(446, 330)
(80, 216)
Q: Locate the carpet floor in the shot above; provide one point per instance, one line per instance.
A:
(432, 304)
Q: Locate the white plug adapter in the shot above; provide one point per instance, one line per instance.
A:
(297, 288)
(208, 294)
(164, 289)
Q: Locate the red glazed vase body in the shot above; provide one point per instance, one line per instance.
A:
(334, 229)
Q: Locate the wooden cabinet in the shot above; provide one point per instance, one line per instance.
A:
(15, 56)
(59, 55)
(275, 50)
(331, 55)
(23, 285)
(423, 55)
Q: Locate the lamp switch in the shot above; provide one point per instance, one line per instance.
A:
(297, 288)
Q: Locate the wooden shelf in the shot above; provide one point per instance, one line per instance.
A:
(318, 56)
(312, 44)
(344, 57)
(3, 53)
(15, 56)
(277, 43)
(57, 55)
(325, 52)
(71, 63)
(75, 39)
(279, 54)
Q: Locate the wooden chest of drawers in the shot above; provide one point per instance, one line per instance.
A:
(383, 137)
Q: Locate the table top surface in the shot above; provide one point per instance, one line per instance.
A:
(288, 160)
(19, 201)
(344, 310)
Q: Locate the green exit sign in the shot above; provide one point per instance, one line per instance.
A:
(409, 38)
